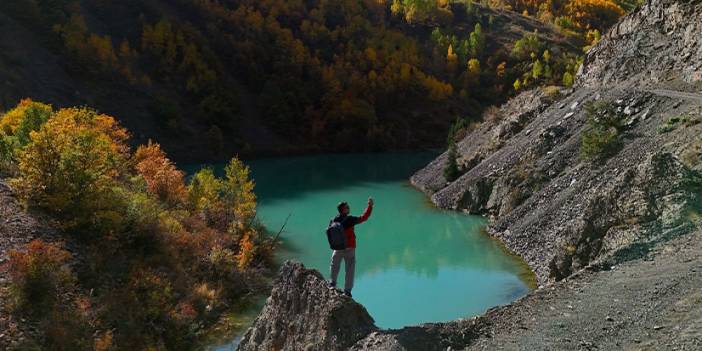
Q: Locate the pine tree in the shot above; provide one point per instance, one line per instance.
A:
(537, 69)
(477, 41)
(451, 171)
(567, 79)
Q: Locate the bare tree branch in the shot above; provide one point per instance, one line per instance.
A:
(275, 239)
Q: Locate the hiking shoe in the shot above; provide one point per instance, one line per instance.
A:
(348, 293)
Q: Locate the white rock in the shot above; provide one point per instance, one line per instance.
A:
(645, 115)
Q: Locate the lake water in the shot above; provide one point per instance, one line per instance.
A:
(414, 262)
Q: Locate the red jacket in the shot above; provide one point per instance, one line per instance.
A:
(348, 222)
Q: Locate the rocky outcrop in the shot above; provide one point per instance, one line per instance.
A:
(303, 314)
(524, 169)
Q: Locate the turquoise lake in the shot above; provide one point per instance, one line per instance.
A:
(414, 262)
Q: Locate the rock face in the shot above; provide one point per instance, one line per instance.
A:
(658, 42)
(523, 167)
(302, 313)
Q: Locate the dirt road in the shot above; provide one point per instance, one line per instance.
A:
(653, 303)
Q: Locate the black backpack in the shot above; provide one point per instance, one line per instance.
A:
(336, 235)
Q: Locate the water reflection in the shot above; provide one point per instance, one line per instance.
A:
(415, 263)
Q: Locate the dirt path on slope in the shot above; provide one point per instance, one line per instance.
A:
(654, 303)
(677, 94)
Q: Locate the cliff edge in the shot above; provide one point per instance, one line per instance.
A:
(302, 313)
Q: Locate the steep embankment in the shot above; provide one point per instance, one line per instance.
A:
(612, 240)
(526, 171)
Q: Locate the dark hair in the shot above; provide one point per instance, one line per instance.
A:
(341, 206)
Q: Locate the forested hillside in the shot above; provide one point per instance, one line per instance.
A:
(207, 78)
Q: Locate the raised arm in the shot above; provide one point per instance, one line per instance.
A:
(366, 213)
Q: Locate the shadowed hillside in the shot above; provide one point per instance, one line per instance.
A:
(212, 78)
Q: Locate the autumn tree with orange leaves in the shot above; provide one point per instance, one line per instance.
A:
(149, 243)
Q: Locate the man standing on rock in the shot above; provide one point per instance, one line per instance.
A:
(348, 254)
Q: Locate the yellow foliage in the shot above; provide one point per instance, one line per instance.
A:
(371, 55)
(88, 47)
(473, 67)
(438, 90)
(10, 121)
(103, 342)
(451, 59)
(594, 13)
(372, 76)
(203, 194)
(500, 71)
(73, 160)
(238, 193)
(103, 50)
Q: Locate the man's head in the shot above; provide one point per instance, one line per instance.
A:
(343, 208)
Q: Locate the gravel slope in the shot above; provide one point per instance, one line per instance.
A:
(652, 303)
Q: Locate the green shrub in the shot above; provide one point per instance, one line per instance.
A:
(451, 170)
(673, 122)
(527, 45)
(568, 79)
(600, 139)
(6, 155)
(457, 132)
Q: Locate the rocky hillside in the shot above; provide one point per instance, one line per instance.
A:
(596, 187)
(529, 172)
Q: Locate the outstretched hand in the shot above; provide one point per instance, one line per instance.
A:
(370, 201)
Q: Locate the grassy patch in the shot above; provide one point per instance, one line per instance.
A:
(552, 92)
(674, 122)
